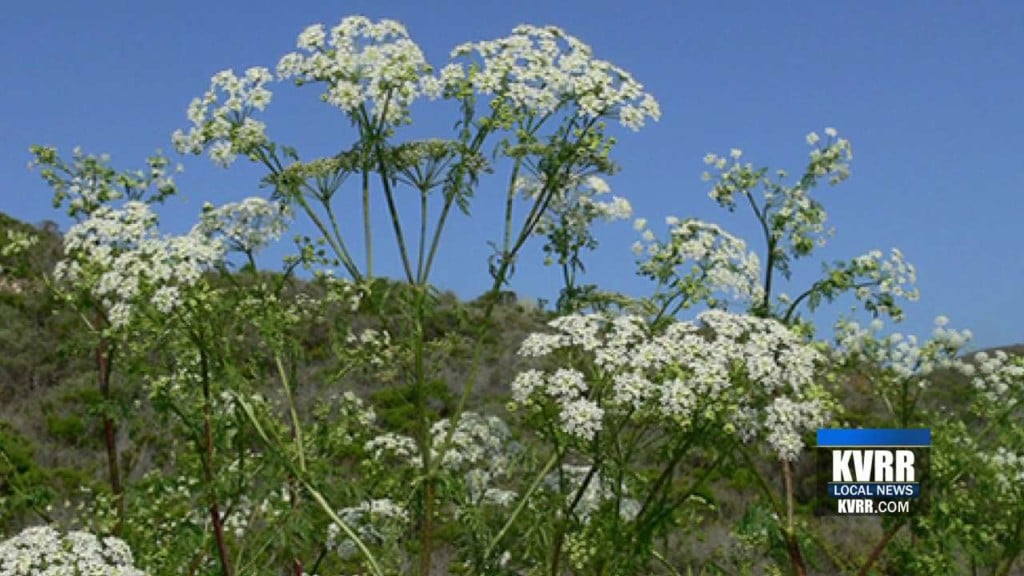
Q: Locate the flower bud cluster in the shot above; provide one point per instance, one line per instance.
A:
(577, 206)
(88, 182)
(14, 246)
(894, 277)
(16, 242)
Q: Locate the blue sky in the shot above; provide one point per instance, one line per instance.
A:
(929, 93)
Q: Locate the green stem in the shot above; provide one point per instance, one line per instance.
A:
(522, 504)
(421, 252)
(769, 269)
(510, 197)
(667, 472)
(367, 224)
(664, 510)
(452, 193)
(556, 556)
(814, 288)
(661, 559)
(336, 242)
(293, 412)
(423, 429)
(537, 210)
(104, 366)
(273, 444)
(396, 222)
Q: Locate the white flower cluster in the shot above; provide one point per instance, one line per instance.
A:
(226, 126)
(832, 160)
(577, 206)
(724, 368)
(119, 256)
(538, 70)
(481, 449)
(785, 420)
(354, 412)
(900, 355)
(244, 513)
(478, 440)
(567, 388)
(393, 447)
(372, 347)
(699, 260)
(998, 376)
(363, 63)
(894, 277)
(43, 551)
(88, 182)
(375, 522)
(1009, 467)
(245, 226)
(795, 221)
(341, 291)
(598, 491)
(14, 242)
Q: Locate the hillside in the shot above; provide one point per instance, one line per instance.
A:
(51, 439)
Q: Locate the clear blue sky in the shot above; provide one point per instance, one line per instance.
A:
(929, 93)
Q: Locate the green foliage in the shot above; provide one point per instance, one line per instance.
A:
(24, 486)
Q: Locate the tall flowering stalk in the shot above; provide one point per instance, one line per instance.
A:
(537, 98)
(99, 272)
(703, 387)
(702, 264)
(140, 280)
(976, 448)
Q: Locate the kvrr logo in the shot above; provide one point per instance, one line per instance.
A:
(871, 471)
(873, 466)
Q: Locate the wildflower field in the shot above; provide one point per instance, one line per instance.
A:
(235, 413)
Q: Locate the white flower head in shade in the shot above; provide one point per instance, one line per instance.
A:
(42, 550)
